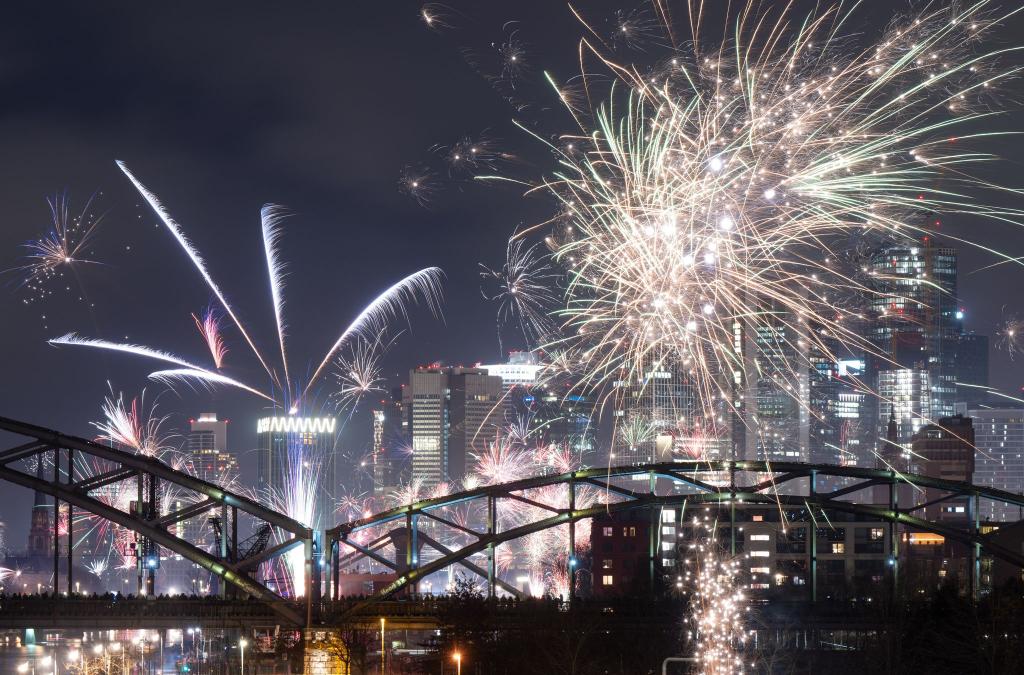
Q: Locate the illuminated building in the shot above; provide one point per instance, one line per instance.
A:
(923, 351)
(909, 393)
(999, 457)
(452, 413)
(208, 447)
(293, 449)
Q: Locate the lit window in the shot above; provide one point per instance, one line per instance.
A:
(666, 546)
(759, 570)
(607, 532)
(759, 554)
(759, 537)
(838, 547)
(877, 533)
(606, 564)
(758, 519)
(608, 580)
(668, 516)
(632, 531)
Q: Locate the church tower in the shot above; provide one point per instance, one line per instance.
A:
(40, 534)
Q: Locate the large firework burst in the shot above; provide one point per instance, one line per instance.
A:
(710, 200)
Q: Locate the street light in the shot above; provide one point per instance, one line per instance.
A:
(382, 658)
(242, 644)
(23, 668)
(458, 662)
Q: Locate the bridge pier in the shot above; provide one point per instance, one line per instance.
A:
(324, 653)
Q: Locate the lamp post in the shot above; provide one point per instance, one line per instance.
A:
(241, 645)
(383, 659)
(458, 662)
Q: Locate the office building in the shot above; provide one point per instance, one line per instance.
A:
(453, 414)
(999, 457)
(208, 448)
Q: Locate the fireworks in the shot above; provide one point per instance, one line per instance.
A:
(422, 285)
(1010, 335)
(721, 188)
(717, 604)
(132, 425)
(60, 251)
(417, 182)
(209, 328)
(358, 373)
(522, 291)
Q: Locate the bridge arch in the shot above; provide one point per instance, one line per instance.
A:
(789, 484)
(149, 472)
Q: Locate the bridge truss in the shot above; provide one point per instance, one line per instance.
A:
(816, 488)
(67, 484)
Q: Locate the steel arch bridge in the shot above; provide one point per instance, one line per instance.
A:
(787, 484)
(625, 487)
(148, 473)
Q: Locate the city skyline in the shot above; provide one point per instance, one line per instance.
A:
(521, 300)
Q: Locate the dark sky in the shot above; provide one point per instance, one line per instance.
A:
(222, 107)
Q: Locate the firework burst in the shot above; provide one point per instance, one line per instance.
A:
(61, 251)
(522, 289)
(1010, 335)
(721, 188)
(358, 372)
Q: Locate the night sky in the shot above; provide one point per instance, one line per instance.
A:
(220, 109)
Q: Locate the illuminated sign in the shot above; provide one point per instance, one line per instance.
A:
(291, 424)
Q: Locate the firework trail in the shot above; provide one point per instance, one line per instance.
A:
(718, 611)
(719, 190)
(522, 289)
(209, 328)
(422, 285)
(270, 218)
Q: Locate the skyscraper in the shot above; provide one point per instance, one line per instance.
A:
(453, 413)
(916, 333)
(999, 457)
(296, 463)
(208, 447)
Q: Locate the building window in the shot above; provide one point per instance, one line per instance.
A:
(757, 518)
(607, 532)
(608, 580)
(668, 516)
(838, 547)
(759, 570)
(877, 533)
(606, 564)
(759, 554)
(759, 537)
